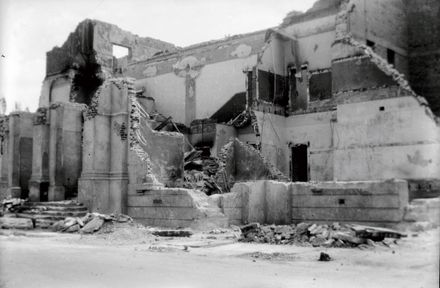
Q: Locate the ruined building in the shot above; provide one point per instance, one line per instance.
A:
(347, 91)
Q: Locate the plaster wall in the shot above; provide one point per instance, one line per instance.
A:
(312, 26)
(317, 131)
(60, 91)
(273, 142)
(316, 50)
(168, 91)
(384, 22)
(401, 141)
(218, 82)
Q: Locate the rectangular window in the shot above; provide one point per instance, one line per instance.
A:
(391, 56)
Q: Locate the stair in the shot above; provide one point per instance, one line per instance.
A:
(44, 214)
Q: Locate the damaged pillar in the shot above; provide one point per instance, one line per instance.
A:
(39, 182)
(56, 188)
(104, 180)
(93, 185)
(119, 148)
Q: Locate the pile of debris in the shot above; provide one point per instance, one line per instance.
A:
(12, 204)
(90, 223)
(200, 171)
(335, 235)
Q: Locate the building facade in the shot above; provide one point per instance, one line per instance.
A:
(347, 91)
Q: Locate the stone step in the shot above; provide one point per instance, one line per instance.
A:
(68, 203)
(15, 223)
(58, 208)
(44, 223)
(66, 213)
(39, 216)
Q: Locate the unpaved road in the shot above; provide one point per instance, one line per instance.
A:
(59, 260)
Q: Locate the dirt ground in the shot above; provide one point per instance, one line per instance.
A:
(132, 257)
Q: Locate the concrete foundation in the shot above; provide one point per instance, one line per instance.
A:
(175, 207)
(273, 202)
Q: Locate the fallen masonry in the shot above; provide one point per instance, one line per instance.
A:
(318, 235)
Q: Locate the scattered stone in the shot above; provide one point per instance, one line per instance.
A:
(58, 226)
(73, 228)
(94, 225)
(324, 257)
(348, 237)
(313, 234)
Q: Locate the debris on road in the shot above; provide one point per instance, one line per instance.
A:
(172, 233)
(335, 235)
(324, 257)
(90, 223)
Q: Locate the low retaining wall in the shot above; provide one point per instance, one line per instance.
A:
(273, 202)
(175, 207)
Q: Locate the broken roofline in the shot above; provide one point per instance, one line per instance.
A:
(206, 44)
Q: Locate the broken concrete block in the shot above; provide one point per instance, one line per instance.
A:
(249, 227)
(94, 225)
(302, 228)
(347, 237)
(16, 223)
(172, 233)
(58, 226)
(73, 228)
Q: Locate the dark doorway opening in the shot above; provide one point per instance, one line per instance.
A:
(300, 163)
(44, 191)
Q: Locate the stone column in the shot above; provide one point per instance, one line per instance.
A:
(56, 188)
(14, 189)
(40, 158)
(118, 185)
(4, 155)
(93, 186)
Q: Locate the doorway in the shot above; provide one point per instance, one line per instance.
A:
(300, 167)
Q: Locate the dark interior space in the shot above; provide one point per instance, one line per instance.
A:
(273, 88)
(230, 109)
(299, 163)
(320, 86)
(85, 83)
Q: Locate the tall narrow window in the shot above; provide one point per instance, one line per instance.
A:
(391, 56)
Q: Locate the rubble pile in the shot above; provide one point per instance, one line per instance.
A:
(200, 172)
(335, 235)
(12, 204)
(90, 223)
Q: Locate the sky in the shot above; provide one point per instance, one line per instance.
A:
(30, 28)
